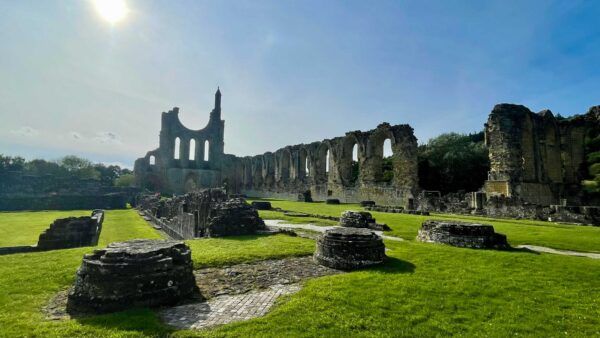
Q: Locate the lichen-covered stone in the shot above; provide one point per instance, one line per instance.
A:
(140, 272)
(349, 248)
(462, 234)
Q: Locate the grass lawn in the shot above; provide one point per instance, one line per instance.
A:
(558, 236)
(24, 228)
(423, 290)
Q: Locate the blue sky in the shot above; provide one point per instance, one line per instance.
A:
(290, 71)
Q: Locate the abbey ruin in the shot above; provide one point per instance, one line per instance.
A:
(536, 160)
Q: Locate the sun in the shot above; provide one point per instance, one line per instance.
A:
(112, 11)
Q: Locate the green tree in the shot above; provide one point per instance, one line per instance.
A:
(79, 167)
(453, 162)
(125, 180)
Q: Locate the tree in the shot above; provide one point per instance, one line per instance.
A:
(453, 162)
(10, 163)
(79, 167)
(125, 180)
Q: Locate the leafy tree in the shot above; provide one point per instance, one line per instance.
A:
(453, 162)
(11, 163)
(79, 167)
(125, 180)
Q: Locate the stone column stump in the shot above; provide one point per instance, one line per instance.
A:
(462, 234)
(349, 248)
(140, 272)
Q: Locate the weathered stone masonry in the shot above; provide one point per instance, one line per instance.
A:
(287, 172)
(185, 159)
(536, 157)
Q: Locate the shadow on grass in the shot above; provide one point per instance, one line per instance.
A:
(521, 250)
(235, 238)
(395, 265)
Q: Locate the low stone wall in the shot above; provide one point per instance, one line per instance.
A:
(395, 210)
(64, 202)
(64, 233)
(72, 232)
(207, 213)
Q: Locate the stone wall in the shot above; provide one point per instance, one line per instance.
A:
(285, 172)
(206, 213)
(26, 192)
(186, 159)
(535, 156)
(72, 232)
(289, 171)
(64, 233)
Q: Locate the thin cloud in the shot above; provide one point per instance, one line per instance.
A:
(25, 131)
(75, 135)
(107, 137)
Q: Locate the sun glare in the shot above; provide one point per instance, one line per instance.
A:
(112, 11)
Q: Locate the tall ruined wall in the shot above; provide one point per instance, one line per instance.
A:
(181, 164)
(185, 159)
(534, 156)
(289, 171)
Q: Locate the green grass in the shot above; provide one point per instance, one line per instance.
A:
(24, 228)
(430, 290)
(271, 214)
(28, 281)
(423, 290)
(239, 249)
(558, 236)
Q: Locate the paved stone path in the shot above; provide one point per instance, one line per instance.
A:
(280, 224)
(225, 309)
(560, 252)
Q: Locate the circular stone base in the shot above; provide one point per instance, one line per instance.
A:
(135, 273)
(462, 234)
(349, 248)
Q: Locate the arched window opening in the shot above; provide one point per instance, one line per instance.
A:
(387, 165)
(355, 169)
(307, 167)
(177, 146)
(192, 156)
(152, 160)
(387, 148)
(327, 162)
(206, 150)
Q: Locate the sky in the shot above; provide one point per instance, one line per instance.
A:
(290, 72)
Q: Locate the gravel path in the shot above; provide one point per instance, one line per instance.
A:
(560, 252)
(279, 224)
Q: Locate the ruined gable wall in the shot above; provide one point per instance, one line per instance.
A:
(160, 170)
